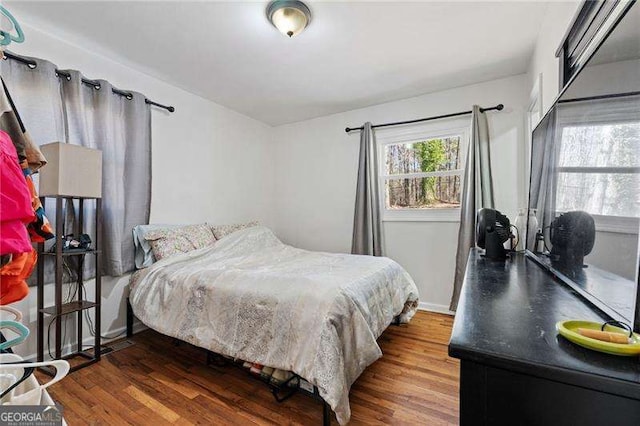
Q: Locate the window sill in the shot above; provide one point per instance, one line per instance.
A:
(444, 215)
(616, 224)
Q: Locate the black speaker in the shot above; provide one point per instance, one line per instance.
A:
(492, 231)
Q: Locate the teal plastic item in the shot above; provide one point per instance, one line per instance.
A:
(7, 37)
(23, 333)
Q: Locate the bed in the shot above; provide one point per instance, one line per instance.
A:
(251, 297)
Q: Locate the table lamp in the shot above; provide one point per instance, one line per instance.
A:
(71, 171)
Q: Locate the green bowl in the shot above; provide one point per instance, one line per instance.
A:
(569, 330)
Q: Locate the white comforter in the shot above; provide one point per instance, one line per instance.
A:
(252, 297)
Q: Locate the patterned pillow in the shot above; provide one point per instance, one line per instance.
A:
(143, 252)
(223, 230)
(169, 242)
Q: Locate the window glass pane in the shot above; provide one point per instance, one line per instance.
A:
(432, 155)
(423, 193)
(612, 145)
(609, 194)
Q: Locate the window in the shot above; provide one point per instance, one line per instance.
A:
(599, 171)
(421, 175)
(597, 166)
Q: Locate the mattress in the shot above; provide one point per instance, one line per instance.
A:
(252, 297)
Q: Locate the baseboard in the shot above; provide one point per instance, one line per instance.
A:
(139, 326)
(433, 307)
(120, 332)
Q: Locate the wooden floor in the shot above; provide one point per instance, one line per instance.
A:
(155, 382)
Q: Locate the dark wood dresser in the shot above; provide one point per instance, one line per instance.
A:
(516, 370)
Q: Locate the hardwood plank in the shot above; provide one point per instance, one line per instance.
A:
(131, 415)
(166, 412)
(156, 382)
(175, 385)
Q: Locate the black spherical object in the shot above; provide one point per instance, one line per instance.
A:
(573, 236)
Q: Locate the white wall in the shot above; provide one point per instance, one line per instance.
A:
(615, 252)
(209, 163)
(556, 21)
(604, 79)
(316, 177)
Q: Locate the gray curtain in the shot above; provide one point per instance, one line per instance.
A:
(367, 221)
(477, 193)
(36, 94)
(544, 173)
(60, 109)
(121, 128)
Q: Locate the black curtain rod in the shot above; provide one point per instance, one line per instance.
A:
(599, 97)
(498, 107)
(94, 84)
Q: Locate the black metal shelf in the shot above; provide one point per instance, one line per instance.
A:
(79, 305)
(71, 253)
(68, 308)
(87, 355)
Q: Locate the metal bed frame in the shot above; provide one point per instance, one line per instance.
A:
(280, 392)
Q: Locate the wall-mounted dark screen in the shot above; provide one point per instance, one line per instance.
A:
(585, 179)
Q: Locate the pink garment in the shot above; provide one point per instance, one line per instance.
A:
(15, 201)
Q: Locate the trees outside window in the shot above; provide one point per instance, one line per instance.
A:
(422, 175)
(599, 170)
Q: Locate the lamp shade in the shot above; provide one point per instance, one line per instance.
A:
(71, 171)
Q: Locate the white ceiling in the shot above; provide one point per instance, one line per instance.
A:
(352, 54)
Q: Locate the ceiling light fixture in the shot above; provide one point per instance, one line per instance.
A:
(290, 17)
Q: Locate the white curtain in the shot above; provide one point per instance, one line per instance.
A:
(600, 112)
(65, 109)
(477, 193)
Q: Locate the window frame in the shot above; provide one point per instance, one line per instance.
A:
(413, 135)
(607, 223)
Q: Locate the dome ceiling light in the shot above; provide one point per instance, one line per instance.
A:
(290, 17)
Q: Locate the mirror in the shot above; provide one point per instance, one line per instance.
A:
(585, 177)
